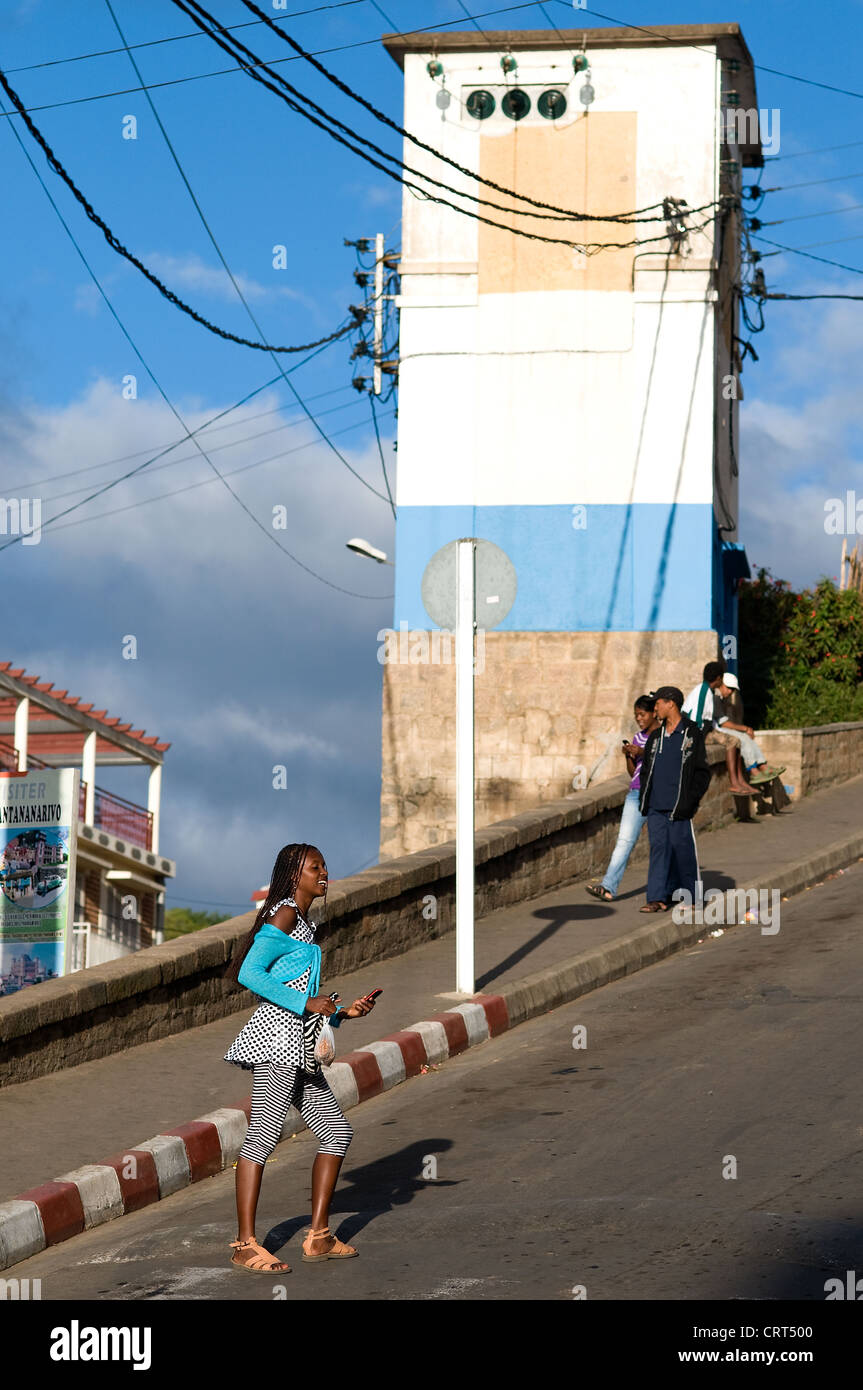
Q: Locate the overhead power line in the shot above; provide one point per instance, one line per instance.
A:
(807, 216)
(834, 241)
(759, 67)
(813, 183)
(117, 245)
(589, 248)
(381, 450)
(798, 251)
(242, 298)
(227, 72)
(813, 296)
(434, 26)
(189, 434)
(177, 38)
(207, 482)
(211, 448)
(139, 453)
(822, 149)
(558, 213)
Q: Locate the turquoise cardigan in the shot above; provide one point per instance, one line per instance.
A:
(275, 958)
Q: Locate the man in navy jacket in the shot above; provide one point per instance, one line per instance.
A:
(675, 775)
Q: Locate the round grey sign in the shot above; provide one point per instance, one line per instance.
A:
(495, 585)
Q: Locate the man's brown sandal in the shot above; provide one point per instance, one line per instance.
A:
(654, 907)
(337, 1251)
(260, 1263)
(596, 890)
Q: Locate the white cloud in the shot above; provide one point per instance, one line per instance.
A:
(192, 273)
(234, 723)
(205, 525)
(244, 660)
(801, 438)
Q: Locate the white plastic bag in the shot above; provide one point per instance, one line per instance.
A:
(325, 1047)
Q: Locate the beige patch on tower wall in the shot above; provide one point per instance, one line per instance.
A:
(588, 166)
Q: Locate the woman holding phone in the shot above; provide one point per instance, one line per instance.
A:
(631, 820)
(279, 960)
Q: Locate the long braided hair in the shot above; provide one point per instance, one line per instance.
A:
(283, 881)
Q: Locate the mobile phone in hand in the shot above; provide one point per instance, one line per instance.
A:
(373, 996)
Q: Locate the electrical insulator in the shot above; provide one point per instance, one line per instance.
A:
(756, 224)
(480, 105)
(551, 105)
(361, 278)
(508, 63)
(733, 64)
(586, 95)
(732, 98)
(580, 63)
(359, 383)
(361, 350)
(358, 312)
(753, 191)
(434, 68)
(515, 104)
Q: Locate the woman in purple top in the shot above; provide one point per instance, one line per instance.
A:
(631, 821)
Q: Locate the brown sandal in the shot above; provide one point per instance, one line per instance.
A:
(654, 907)
(256, 1264)
(337, 1251)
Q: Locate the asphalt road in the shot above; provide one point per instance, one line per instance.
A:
(558, 1168)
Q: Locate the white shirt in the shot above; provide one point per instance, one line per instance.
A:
(690, 707)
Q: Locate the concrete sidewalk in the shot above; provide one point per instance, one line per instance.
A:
(58, 1123)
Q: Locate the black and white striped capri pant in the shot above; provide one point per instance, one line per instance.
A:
(276, 1087)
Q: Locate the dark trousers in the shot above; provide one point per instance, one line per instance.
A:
(673, 857)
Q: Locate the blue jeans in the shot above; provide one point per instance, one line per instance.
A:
(631, 822)
(749, 750)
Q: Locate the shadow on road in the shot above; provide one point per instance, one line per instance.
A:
(564, 913)
(557, 917)
(375, 1188)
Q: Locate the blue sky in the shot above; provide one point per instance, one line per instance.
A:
(244, 660)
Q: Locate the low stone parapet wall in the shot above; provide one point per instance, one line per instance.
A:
(370, 916)
(816, 757)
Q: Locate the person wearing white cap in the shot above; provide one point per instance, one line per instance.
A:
(754, 761)
(699, 706)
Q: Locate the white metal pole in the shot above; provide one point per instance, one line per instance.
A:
(379, 310)
(154, 799)
(464, 737)
(88, 775)
(22, 724)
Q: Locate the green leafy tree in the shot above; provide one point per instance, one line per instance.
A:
(180, 920)
(801, 654)
(765, 606)
(820, 680)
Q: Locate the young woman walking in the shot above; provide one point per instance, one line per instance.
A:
(631, 820)
(279, 960)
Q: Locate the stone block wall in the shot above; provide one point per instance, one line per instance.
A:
(370, 916)
(816, 757)
(551, 709)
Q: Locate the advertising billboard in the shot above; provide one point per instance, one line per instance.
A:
(38, 827)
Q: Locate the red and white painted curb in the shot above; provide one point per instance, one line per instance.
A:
(146, 1172)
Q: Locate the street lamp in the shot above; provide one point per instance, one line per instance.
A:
(361, 547)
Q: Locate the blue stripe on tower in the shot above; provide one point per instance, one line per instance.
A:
(625, 568)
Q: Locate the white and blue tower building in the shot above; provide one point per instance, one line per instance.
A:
(575, 404)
